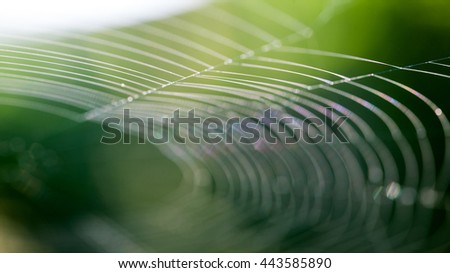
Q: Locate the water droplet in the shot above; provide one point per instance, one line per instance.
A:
(393, 190)
(428, 197)
(438, 112)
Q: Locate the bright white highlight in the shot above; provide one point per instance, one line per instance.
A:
(29, 15)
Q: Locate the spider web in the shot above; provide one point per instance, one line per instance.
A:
(380, 192)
